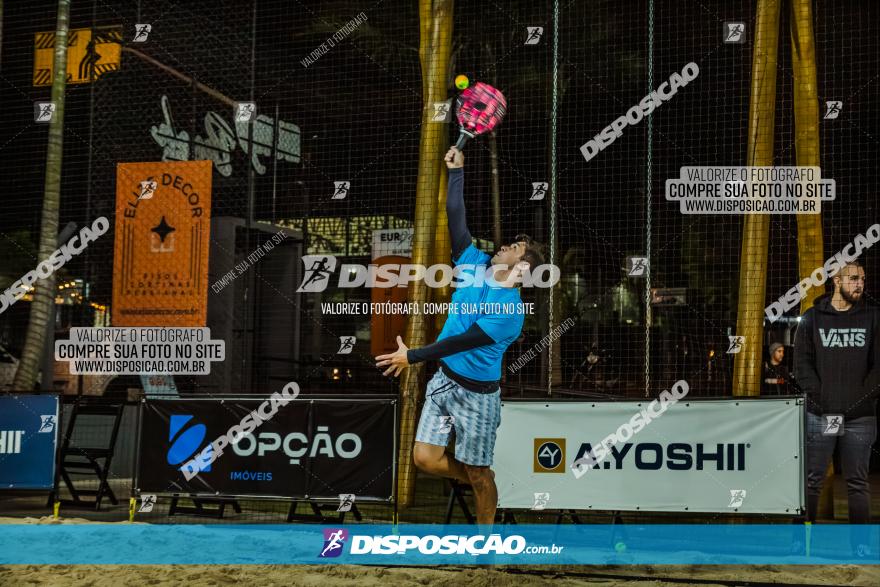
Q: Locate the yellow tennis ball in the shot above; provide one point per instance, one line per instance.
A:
(462, 82)
(620, 547)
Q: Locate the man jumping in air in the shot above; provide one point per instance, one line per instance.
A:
(464, 395)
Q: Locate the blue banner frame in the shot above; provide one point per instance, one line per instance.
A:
(28, 441)
(593, 544)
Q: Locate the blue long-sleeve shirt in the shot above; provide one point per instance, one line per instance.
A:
(456, 213)
(460, 238)
(486, 336)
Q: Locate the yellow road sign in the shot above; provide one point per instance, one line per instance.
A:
(88, 57)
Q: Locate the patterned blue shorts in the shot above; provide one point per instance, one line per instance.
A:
(474, 417)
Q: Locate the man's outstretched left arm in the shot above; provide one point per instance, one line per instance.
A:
(403, 357)
(472, 338)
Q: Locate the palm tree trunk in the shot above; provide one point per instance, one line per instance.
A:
(806, 142)
(433, 144)
(44, 289)
(425, 24)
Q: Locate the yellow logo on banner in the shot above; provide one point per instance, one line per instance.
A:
(549, 455)
(163, 229)
(88, 58)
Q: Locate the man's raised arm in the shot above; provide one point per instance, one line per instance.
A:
(459, 234)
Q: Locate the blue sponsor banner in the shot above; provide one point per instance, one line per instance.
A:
(28, 437)
(781, 544)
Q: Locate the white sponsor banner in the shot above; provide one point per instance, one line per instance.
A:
(698, 456)
(392, 241)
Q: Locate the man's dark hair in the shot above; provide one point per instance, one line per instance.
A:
(534, 254)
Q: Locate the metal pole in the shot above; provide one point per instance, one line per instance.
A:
(553, 117)
(275, 160)
(247, 357)
(649, 317)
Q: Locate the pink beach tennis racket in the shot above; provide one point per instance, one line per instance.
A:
(479, 109)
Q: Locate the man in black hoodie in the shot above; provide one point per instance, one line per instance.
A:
(837, 365)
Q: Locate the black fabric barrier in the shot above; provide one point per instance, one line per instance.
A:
(316, 448)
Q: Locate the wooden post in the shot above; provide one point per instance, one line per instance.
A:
(756, 227)
(433, 144)
(806, 143)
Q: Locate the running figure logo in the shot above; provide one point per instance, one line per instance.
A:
(148, 188)
(147, 503)
(346, 345)
(47, 424)
(333, 542)
(734, 32)
(736, 344)
(832, 109)
(833, 425)
(446, 424)
(341, 189)
(541, 500)
(244, 111)
(539, 190)
(318, 271)
(44, 111)
(737, 496)
(141, 32)
(441, 112)
(346, 500)
(534, 34)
